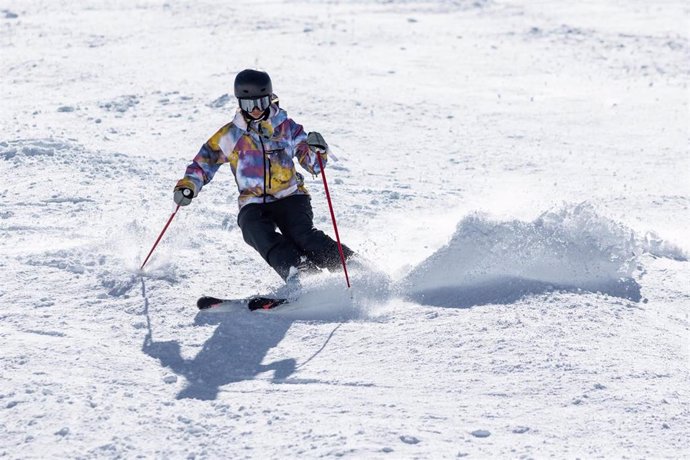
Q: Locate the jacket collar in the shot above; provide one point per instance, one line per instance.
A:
(276, 116)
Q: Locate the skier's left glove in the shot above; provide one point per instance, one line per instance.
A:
(183, 196)
(317, 142)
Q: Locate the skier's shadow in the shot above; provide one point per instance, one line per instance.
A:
(233, 353)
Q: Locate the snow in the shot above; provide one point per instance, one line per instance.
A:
(569, 249)
(514, 175)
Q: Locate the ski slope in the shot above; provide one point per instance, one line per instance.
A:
(514, 174)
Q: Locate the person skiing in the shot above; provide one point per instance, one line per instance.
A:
(260, 144)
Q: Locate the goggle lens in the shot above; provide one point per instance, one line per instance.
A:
(262, 103)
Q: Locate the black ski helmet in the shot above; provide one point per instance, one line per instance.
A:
(252, 84)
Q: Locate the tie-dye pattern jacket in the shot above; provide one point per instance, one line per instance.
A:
(261, 157)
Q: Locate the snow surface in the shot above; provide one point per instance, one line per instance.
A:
(514, 174)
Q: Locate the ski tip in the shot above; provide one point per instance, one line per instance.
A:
(207, 302)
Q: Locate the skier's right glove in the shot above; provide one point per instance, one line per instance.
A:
(183, 196)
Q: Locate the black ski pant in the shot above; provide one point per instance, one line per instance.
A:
(293, 216)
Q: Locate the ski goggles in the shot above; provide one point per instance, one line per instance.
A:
(262, 103)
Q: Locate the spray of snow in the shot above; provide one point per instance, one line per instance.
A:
(326, 297)
(572, 248)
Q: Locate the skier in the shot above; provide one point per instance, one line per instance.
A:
(260, 144)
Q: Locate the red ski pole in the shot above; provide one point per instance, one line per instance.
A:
(160, 236)
(335, 226)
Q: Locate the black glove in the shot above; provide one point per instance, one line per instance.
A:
(183, 196)
(317, 141)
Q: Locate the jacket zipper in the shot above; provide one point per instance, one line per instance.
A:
(263, 150)
(270, 174)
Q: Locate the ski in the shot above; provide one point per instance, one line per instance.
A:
(264, 303)
(253, 303)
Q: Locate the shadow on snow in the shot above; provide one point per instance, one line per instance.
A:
(233, 353)
(507, 290)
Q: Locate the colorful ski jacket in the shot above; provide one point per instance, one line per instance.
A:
(260, 154)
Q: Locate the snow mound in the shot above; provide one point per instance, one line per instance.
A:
(572, 248)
